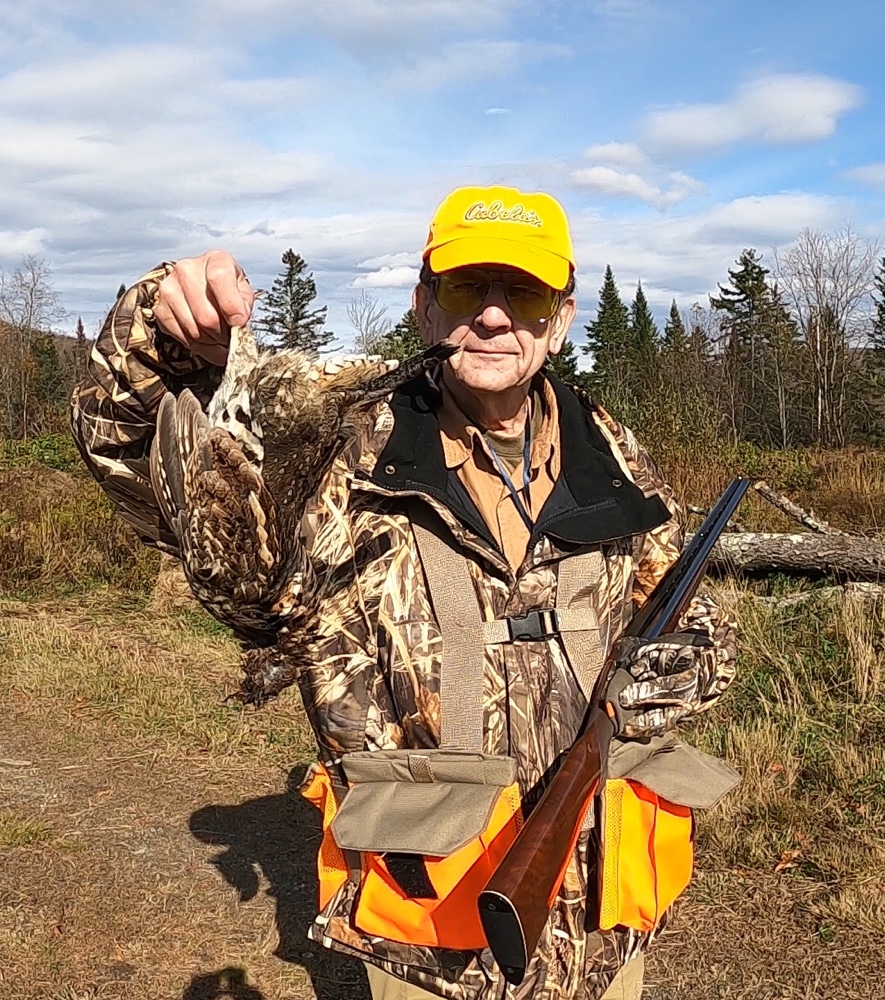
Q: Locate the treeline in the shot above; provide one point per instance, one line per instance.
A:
(789, 353)
(39, 368)
(786, 356)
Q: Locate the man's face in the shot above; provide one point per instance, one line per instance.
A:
(499, 349)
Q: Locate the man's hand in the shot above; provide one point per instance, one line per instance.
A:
(674, 677)
(201, 299)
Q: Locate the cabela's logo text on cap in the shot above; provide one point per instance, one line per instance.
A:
(496, 212)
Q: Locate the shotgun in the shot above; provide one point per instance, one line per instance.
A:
(516, 902)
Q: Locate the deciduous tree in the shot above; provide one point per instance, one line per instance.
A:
(827, 279)
(369, 321)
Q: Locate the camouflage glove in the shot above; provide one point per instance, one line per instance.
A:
(673, 677)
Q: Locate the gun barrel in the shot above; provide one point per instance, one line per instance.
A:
(516, 902)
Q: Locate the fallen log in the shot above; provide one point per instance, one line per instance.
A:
(793, 510)
(849, 557)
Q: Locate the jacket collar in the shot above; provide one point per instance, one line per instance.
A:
(591, 502)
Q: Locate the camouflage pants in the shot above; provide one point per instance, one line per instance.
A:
(627, 985)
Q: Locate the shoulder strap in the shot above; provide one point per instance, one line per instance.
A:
(577, 596)
(457, 614)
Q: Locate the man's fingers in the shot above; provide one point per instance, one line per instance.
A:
(201, 299)
(671, 689)
(657, 721)
(228, 288)
(174, 314)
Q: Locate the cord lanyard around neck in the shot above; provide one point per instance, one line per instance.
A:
(526, 477)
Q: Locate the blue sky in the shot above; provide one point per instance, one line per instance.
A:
(675, 132)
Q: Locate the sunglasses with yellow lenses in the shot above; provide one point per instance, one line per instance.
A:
(465, 290)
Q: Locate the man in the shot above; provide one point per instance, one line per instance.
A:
(520, 476)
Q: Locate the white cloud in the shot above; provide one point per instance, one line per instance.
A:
(872, 173)
(370, 30)
(624, 154)
(15, 244)
(498, 111)
(404, 259)
(388, 277)
(469, 60)
(780, 109)
(619, 183)
(766, 220)
(684, 255)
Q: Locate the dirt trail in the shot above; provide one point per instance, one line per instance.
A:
(159, 878)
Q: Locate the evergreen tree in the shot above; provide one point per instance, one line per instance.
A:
(285, 317)
(48, 374)
(780, 364)
(644, 334)
(121, 291)
(742, 305)
(675, 339)
(874, 362)
(761, 356)
(608, 338)
(565, 365)
(403, 341)
(81, 353)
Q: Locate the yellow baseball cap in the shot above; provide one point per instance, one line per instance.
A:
(500, 225)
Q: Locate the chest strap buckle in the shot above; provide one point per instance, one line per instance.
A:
(536, 625)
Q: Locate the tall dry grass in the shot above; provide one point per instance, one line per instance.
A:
(805, 725)
(58, 533)
(804, 722)
(846, 487)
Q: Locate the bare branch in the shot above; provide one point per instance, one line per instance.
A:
(369, 320)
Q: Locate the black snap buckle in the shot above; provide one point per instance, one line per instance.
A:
(533, 626)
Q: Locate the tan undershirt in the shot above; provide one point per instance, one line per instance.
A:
(467, 450)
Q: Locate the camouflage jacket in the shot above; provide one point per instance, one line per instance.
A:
(372, 679)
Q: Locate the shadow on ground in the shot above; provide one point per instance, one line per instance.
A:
(229, 982)
(277, 837)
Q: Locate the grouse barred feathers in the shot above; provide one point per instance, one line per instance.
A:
(233, 482)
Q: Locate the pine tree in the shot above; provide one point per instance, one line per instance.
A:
(644, 335)
(81, 354)
(675, 339)
(121, 291)
(761, 357)
(402, 341)
(874, 360)
(608, 337)
(565, 365)
(780, 367)
(285, 317)
(741, 306)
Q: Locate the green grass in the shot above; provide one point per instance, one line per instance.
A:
(55, 451)
(18, 831)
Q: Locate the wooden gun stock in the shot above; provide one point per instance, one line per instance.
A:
(516, 903)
